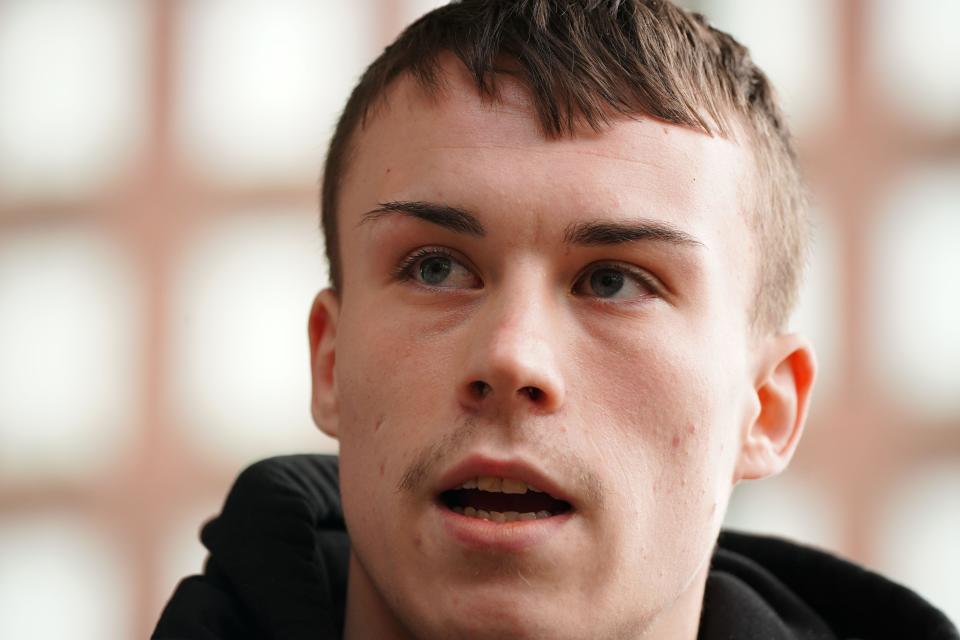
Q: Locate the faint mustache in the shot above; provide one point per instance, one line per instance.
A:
(426, 462)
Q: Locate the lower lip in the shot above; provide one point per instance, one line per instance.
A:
(509, 537)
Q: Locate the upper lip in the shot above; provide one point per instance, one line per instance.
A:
(518, 469)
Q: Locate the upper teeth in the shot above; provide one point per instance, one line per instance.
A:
(494, 484)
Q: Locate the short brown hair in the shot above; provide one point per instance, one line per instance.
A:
(585, 62)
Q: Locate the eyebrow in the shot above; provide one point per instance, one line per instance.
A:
(453, 218)
(602, 233)
(586, 233)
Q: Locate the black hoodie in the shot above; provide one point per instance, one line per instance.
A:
(278, 569)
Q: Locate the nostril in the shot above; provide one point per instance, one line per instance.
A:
(479, 388)
(532, 392)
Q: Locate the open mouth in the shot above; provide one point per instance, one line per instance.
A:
(502, 500)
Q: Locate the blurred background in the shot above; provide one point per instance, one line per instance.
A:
(159, 252)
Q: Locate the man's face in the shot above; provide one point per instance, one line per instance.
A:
(584, 332)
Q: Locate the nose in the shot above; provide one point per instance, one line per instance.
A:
(512, 363)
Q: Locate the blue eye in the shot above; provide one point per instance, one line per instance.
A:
(606, 283)
(434, 270)
(615, 281)
(437, 268)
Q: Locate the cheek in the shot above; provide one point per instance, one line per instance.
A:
(670, 415)
(387, 384)
(648, 389)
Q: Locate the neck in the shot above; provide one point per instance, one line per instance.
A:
(367, 614)
(681, 620)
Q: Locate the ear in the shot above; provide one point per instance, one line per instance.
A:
(324, 316)
(782, 387)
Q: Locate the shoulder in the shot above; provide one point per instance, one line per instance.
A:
(833, 596)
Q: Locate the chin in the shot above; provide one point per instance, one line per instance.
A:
(484, 624)
(511, 613)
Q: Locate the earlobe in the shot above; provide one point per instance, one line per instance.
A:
(322, 329)
(783, 389)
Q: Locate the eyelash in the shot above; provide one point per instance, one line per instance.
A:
(404, 270)
(641, 276)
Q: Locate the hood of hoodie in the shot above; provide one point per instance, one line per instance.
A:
(279, 555)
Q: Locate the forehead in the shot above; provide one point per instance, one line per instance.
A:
(492, 157)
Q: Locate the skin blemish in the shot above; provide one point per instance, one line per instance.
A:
(381, 469)
(675, 442)
(378, 423)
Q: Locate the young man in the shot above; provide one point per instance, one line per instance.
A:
(564, 241)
